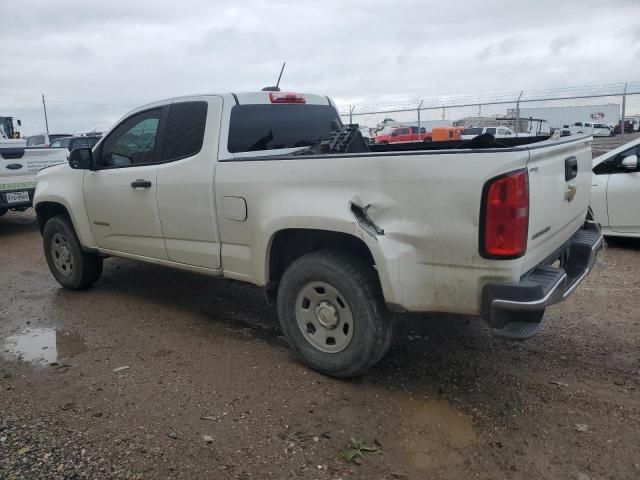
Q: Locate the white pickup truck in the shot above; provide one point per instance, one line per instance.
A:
(243, 186)
(18, 169)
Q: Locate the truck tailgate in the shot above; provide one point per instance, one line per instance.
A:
(559, 192)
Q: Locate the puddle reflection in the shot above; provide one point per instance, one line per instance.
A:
(42, 346)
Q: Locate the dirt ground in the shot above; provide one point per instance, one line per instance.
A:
(154, 373)
(205, 358)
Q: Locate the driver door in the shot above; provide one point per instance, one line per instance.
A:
(623, 195)
(120, 193)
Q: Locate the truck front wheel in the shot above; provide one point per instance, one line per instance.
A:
(71, 266)
(331, 311)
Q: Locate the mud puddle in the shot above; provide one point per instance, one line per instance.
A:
(42, 346)
(431, 433)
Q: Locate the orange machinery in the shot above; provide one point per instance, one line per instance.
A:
(442, 134)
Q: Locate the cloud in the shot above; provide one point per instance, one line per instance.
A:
(560, 44)
(96, 60)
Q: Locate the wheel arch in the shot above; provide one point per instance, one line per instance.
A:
(48, 209)
(288, 244)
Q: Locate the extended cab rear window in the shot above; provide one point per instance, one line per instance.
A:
(267, 126)
(471, 131)
(184, 133)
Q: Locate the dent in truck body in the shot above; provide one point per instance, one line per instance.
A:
(427, 260)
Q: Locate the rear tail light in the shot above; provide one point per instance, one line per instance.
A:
(504, 216)
(282, 97)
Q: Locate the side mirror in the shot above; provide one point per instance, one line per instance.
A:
(81, 159)
(19, 123)
(630, 162)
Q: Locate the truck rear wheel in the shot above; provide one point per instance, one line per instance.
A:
(331, 311)
(72, 267)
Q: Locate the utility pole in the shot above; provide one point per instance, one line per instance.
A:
(624, 105)
(518, 113)
(44, 106)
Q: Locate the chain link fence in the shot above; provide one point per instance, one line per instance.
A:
(597, 109)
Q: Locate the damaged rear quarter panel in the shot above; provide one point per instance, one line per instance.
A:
(427, 204)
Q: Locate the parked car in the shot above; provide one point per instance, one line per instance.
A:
(497, 132)
(590, 128)
(44, 140)
(71, 143)
(601, 130)
(629, 127)
(615, 192)
(18, 169)
(403, 135)
(235, 186)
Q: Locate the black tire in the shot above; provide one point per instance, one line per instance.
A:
(358, 284)
(82, 269)
(3, 211)
(427, 140)
(383, 142)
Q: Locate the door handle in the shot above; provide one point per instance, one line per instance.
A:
(570, 168)
(141, 184)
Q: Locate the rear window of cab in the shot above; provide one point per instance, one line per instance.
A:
(259, 127)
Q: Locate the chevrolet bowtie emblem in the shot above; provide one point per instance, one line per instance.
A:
(570, 193)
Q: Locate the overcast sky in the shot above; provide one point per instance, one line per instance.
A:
(96, 60)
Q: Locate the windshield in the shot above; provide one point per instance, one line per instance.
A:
(267, 127)
(6, 127)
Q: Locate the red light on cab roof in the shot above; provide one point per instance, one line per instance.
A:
(284, 97)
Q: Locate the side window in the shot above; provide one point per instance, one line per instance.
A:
(184, 133)
(55, 144)
(35, 140)
(423, 130)
(632, 151)
(613, 165)
(414, 129)
(491, 130)
(132, 142)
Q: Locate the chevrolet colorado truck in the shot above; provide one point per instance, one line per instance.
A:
(18, 169)
(270, 188)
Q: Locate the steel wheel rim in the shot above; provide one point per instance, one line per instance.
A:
(61, 254)
(324, 317)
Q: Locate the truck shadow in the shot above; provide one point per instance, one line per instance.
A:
(434, 354)
(623, 243)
